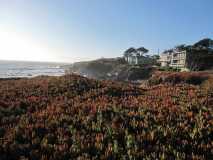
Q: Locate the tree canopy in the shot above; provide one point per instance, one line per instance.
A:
(204, 43)
(143, 50)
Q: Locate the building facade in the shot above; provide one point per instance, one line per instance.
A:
(132, 58)
(179, 57)
(211, 45)
(174, 58)
(136, 56)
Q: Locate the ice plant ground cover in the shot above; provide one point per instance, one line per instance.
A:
(72, 117)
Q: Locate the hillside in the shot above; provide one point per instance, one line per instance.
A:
(72, 117)
(110, 69)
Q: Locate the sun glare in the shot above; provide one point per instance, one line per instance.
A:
(15, 46)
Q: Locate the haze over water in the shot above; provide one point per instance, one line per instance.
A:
(11, 69)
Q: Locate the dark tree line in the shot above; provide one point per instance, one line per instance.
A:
(199, 59)
(200, 55)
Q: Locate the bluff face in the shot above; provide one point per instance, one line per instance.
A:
(111, 69)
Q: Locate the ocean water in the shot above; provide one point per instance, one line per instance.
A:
(12, 69)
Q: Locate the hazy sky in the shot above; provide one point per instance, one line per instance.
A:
(73, 30)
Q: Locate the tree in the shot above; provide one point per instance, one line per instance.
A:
(199, 58)
(181, 47)
(204, 43)
(129, 51)
(142, 50)
(155, 57)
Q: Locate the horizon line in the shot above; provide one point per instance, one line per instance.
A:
(12, 60)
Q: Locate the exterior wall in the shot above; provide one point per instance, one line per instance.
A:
(176, 59)
(164, 64)
(164, 60)
(126, 59)
(133, 60)
(211, 45)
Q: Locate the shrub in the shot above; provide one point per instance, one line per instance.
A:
(194, 78)
(105, 119)
(208, 85)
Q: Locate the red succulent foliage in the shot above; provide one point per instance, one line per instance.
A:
(73, 117)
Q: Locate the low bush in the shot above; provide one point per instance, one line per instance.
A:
(195, 78)
(208, 84)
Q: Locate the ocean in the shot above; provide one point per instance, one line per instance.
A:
(13, 69)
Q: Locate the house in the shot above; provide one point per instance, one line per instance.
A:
(165, 58)
(135, 56)
(198, 56)
(183, 56)
(211, 45)
(173, 58)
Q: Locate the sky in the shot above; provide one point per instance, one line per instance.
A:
(77, 30)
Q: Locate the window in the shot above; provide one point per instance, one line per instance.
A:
(174, 61)
(175, 55)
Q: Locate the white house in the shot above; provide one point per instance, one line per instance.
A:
(165, 59)
(132, 58)
(211, 44)
(173, 58)
(177, 57)
(135, 56)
